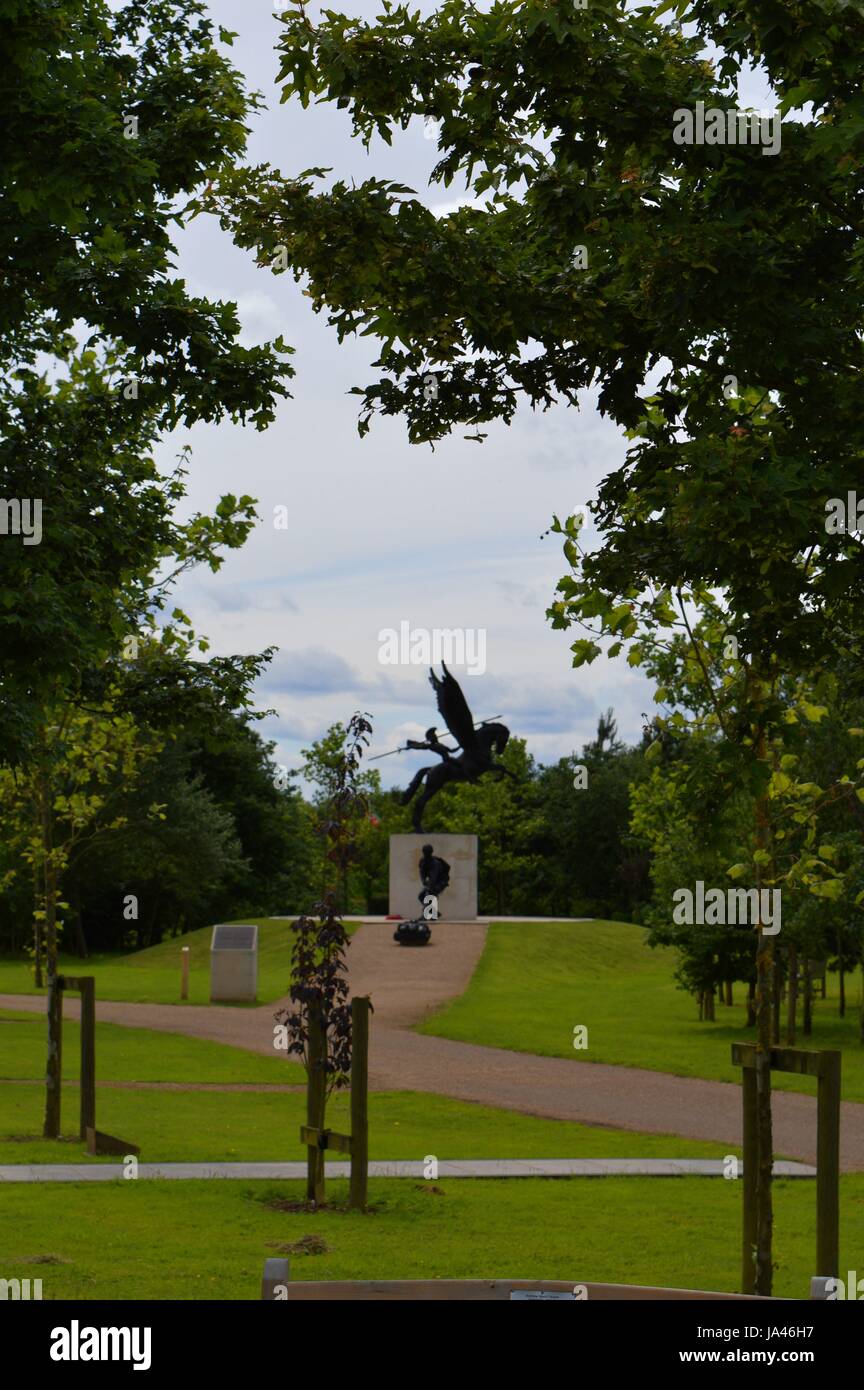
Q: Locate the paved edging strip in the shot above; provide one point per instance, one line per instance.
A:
(400, 1168)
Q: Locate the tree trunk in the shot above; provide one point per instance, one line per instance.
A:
(776, 998)
(316, 1100)
(729, 1000)
(807, 1027)
(80, 939)
(751, 1003)
(38, 900)
(763, 1272)
(710, 1015)
(792, 1009)
(765, 1137)
(51, 1127)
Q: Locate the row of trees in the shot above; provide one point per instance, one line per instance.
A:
(147, 830)
(693, 813)
(158, 825)
(616, 831)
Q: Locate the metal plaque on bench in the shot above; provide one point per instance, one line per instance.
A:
(523, 1295)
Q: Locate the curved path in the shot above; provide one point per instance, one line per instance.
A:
(407, 985)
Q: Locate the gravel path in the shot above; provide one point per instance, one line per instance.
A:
(406, 985)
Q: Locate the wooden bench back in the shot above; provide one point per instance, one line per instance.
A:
(278, 1286)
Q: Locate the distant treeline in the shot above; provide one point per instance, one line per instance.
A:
(232, 836)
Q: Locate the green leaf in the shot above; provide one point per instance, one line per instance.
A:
(584, 651)
(831, 888)
(812, 712)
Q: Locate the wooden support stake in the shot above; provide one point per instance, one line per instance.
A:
(87, 987)
(54, 1069)
(316, 1100)
(751, 1169)
(184, 972)
(802, 1061)
(325, 1139)
(828, 1167)
(98, 1143)
(826, 1067)
(359, 1102)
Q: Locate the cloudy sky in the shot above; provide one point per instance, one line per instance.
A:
(382, 532)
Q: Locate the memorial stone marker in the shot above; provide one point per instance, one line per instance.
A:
(234, 964)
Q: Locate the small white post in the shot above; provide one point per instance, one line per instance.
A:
(184, 973)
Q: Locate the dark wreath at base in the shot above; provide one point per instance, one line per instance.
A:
(416, 933)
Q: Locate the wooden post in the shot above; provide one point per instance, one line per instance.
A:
(98, 1143)
(184, 972)
(828, 1166)
(54, 1068)
(826, 1067)
(316, 1101)
(87, 988)
(751, 1168)
(360, 1007)
(274, 1285)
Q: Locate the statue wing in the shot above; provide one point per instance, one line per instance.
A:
(453, 707)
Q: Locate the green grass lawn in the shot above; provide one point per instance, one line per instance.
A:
(535, 982)
(136, 1054)
(153, 976)
(208, 1239)
(202, 1126)
(201, 1240)
(231, 1126)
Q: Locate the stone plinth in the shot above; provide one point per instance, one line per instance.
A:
(458, 902)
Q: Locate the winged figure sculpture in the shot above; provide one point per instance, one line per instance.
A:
(475, 754)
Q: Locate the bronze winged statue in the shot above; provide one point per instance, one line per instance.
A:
(476, 752)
